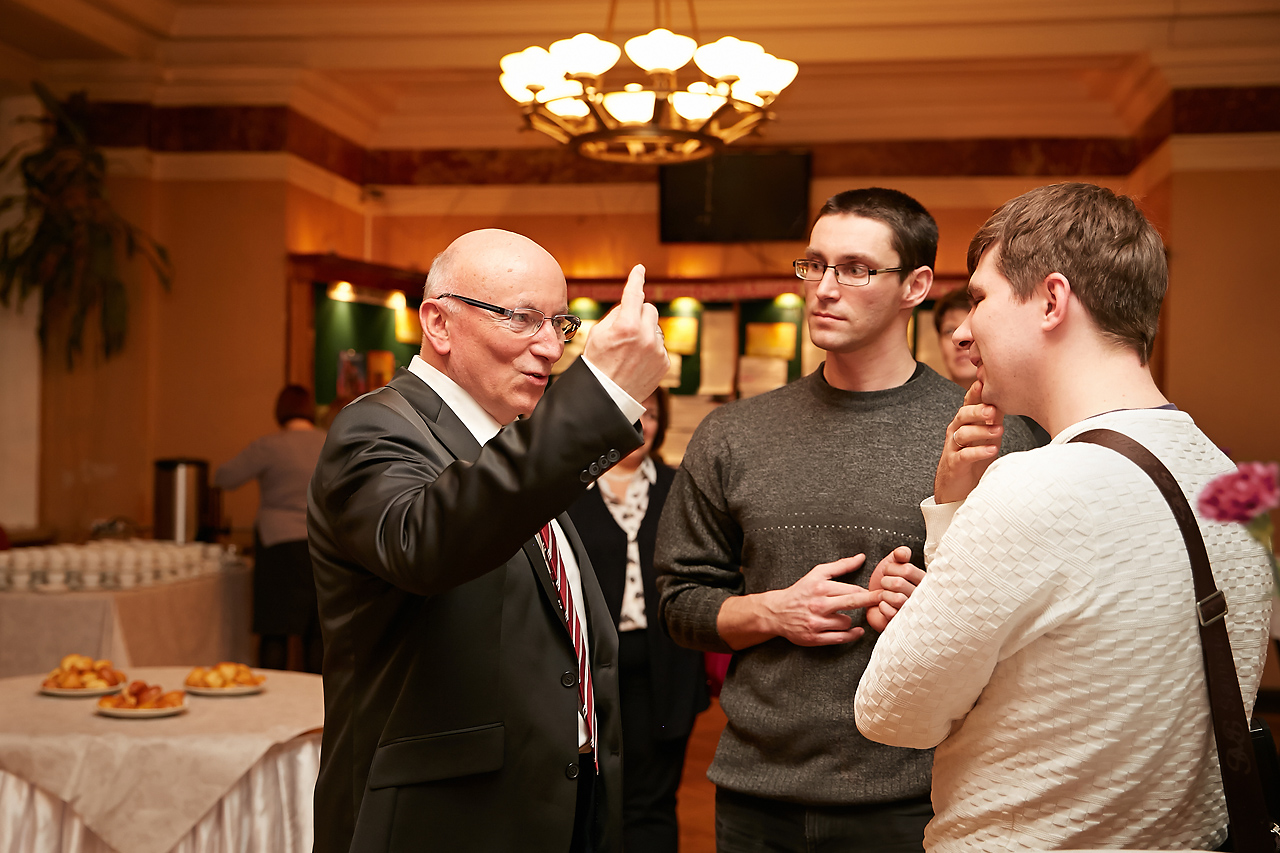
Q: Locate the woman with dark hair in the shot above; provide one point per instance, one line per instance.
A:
(284, 592)
(662, 686)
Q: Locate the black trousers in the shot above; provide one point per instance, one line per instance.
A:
(651, 766)
(747, 824)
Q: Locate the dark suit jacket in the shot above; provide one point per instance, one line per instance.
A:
(449, 674)
(678, 676)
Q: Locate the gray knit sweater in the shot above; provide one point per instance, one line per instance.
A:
(770, 487)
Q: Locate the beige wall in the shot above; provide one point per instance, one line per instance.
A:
(1223, 308)
(202, 364)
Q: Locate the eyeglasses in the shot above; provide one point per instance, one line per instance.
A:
(526, 321)
(850, 275)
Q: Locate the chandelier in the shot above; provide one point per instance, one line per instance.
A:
(562, 93)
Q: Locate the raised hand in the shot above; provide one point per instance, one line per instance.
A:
(973, 442)
(896, 578)
(627, 345)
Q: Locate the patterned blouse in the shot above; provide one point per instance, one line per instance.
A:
(629, 513)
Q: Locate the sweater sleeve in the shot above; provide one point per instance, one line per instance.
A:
(1006, 571)
(246, 465)
(699, 546)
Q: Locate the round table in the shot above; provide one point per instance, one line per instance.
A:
(229, 767)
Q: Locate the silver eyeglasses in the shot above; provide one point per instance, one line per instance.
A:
(850, 275)
(525, 321)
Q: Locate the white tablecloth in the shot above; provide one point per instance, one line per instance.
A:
(204, 619)
(268, 811)
(227, 771)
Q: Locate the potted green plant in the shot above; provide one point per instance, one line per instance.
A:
(67, 241)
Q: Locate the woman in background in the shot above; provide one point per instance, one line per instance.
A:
(662, 686)
(284, 592)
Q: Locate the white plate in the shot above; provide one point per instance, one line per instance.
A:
(238, 690)
(81, 691)
(142, 713)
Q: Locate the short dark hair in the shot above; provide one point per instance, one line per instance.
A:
(293, 402)
(953, 300)
(1112, 256)
(664, 419)
(915, 234)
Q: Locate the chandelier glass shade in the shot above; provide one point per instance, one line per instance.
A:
(563, 94)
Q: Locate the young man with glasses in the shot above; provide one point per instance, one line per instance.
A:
(470, 675)
(783, 507)
(1052, 654)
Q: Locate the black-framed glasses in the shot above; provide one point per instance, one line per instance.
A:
(526, 321)
(850, 275)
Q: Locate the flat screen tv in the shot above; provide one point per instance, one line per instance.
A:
(737, 196)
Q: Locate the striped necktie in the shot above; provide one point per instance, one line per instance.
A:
(586, 696)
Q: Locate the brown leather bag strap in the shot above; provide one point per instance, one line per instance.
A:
(1251, 826)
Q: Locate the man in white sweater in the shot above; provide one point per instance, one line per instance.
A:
(1051, 653)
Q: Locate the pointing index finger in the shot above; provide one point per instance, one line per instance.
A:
(633, 292)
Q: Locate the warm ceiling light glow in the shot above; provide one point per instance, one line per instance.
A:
(585, 54)
(788, 300)
(661, 50)
(342, 291)
(562, 94)
(685, 306)
(396, 300)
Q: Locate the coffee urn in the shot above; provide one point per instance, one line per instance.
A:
(186, 508)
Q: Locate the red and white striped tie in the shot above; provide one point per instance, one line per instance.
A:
(586, 696)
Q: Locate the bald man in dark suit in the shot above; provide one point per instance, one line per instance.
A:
(470, 659)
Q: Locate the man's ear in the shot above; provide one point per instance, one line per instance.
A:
(917, 287)
(1057, 296)
(435, 328)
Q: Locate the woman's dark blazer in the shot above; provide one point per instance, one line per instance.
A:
(678, 676)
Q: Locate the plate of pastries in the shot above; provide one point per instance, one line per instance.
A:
(142, 700)
(81, 675)
(224, 679)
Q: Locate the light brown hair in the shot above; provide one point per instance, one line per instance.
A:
(1099, 241)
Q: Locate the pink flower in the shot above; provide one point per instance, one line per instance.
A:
(1249, 491)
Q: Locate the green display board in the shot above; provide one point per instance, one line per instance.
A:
(352, 326)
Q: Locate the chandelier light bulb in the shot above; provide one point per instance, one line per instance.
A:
(564, 98)
(697, 104)
(531, 67)
(661, 50)
(585, 54)
(765, 77)
(727, 57)
(633, 105)
(516, 88)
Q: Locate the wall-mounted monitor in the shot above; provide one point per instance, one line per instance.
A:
(737, 196)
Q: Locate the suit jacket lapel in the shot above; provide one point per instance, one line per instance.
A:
(449, 429)
(444, 424)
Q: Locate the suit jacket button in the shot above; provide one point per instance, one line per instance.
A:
(585, 476)
(604, 462)
(571, 771)
(568, 679)
(614, 456)
(594, 468)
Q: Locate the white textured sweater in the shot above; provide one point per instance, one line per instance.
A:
(1052, 654)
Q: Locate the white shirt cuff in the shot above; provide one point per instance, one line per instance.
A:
(937, 518)
(631, 410)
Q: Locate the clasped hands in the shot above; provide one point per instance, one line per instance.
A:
(811, 612)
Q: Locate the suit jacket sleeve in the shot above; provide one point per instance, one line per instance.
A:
(404, 507)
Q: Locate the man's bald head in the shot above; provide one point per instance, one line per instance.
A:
(469, 337)
(475, 261)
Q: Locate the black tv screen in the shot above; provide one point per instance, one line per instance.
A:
(736, 197)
